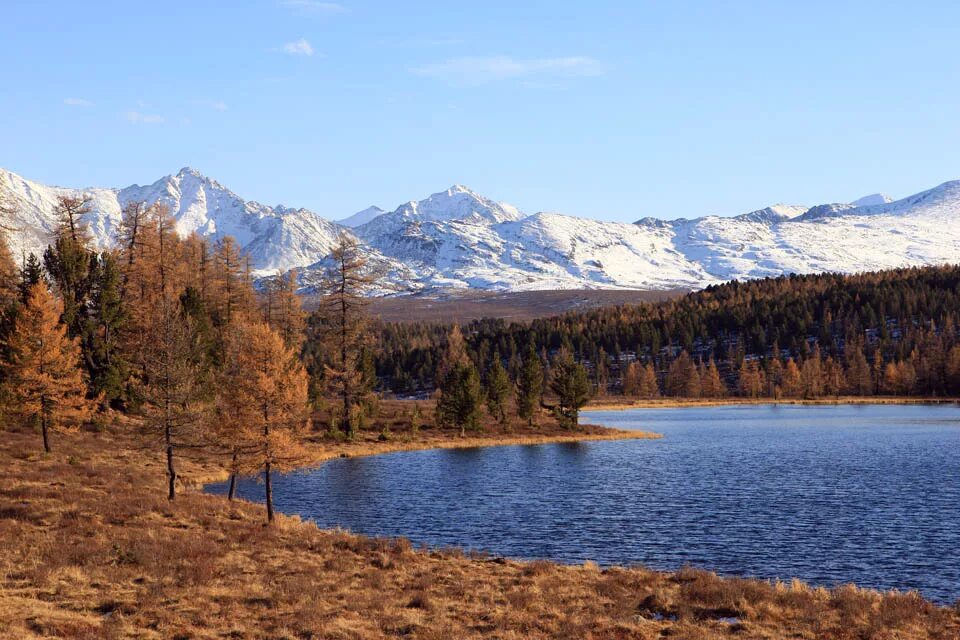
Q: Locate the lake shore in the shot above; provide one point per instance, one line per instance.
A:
(93, 549)
(320, 450)
(617, 404)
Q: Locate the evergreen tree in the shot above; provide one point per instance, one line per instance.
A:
(460, 398)
(106, 361)
(529, 385)
(31, 273)
(70, 262)
(498, 389)
(572, 387)
(44, 375)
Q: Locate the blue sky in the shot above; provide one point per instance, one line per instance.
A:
(613, 110)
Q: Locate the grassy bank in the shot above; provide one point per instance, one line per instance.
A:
(619, 402)
(92, 549)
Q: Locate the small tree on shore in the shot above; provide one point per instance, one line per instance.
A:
(498, 390)
(44, 374)
(529, 385)
(569, 381)
(460, 398)
(270, 387)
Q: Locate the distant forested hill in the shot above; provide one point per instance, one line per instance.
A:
(887, 332)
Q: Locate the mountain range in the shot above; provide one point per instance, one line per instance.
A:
(458, 239)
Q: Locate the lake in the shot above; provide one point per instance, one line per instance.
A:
(829, 494)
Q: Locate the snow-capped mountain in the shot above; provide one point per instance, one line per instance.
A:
(460, 239)
(361, 217)
(275, 238)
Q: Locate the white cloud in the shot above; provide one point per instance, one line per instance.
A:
(314, 6)
(479, 70)
(219, 105)
(77, 102)
(298, 48)
(144, 118)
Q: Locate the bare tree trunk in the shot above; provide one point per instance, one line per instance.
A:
(171, 471)
(269, 491)
(233, 479)
(44, 431)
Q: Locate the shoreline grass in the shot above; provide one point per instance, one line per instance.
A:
(94, 550)
(616, 404)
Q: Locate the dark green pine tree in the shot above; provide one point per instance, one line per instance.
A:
(30, 274)
(529, 384)
(460, 398)
(101, 336)
(498, 389)
(572, 386)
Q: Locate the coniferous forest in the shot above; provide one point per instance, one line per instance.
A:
(810, 336)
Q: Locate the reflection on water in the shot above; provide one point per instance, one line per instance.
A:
(828, 494)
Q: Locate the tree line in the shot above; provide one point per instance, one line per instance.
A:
(892, 332)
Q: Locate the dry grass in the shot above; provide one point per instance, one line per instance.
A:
(92, 549)
(613, 403)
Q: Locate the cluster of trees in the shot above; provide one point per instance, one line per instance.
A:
(170, 330)
(891, 332)
(462, 392)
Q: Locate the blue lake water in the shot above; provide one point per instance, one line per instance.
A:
(829, 494)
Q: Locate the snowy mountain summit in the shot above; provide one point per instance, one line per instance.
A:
(460, 239)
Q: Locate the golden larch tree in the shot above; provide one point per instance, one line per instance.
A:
(44, 374)
(269, 404)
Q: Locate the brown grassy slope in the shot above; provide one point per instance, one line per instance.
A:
(459, 305)
(91, 548)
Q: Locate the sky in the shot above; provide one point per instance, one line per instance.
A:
(609, 110)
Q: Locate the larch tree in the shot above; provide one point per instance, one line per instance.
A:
(649, 386)
(530, 385)
(270, 386)
(282, 309)
(751, 379)
(343, 328)
(171, 390)
(711, 384)
(44, 373)
(630, 379)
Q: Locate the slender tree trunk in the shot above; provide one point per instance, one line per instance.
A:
(44, 431)
(268, 490)
(171, 471)
(233, 479)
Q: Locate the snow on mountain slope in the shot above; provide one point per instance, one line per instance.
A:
(460, 239)
(361, 217)
(457, 203)
(872, 199)
(276, 239)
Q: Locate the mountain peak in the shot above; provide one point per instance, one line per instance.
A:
(872, 199)
(189, 171)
